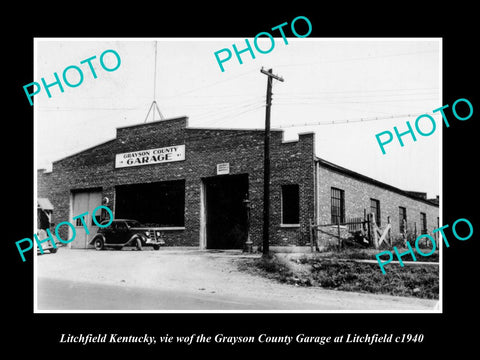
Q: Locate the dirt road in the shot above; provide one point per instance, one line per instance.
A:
(179, 279)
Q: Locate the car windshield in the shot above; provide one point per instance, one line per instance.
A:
(133, 223)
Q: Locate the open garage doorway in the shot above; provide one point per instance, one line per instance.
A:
(225, 211)
(158, 204)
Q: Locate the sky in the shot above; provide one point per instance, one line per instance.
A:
(383, 81)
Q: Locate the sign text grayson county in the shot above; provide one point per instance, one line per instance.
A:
(150, 156)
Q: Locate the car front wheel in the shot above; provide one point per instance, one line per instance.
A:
(138, 244)
(98, 244)
(156, 247)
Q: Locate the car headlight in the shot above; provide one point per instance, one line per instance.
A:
(158, 233)
(146, 233)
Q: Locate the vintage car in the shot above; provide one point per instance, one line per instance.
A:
(47, 245)
(125, 232)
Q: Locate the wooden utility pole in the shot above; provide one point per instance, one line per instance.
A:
(266, 164)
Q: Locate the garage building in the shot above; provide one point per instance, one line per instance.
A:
(194, 184)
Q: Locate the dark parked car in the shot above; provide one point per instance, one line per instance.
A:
(124, 232)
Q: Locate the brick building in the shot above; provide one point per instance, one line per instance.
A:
(193, 185)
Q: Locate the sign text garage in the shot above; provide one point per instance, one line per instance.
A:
(151, 156)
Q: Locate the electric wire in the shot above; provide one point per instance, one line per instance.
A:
(230, 113)
(350, 121)
(345, 59)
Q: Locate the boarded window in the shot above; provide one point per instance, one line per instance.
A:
(338, 206)
(290, 204)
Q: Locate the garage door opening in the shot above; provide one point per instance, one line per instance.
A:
(158, 204)
(225, 210)
(84, 201)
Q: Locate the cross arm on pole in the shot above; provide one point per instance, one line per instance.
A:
(269, 73)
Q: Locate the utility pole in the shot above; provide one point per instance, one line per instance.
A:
(266, 162)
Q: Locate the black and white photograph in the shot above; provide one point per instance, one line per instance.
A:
(234, 181)
(177, 156)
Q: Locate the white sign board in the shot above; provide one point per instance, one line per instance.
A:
(151, 156)
(223, 169)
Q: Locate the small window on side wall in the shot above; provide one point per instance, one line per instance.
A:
(375, 210)
(338, 206)
(290, 204)
(402, 218)
(423, 223)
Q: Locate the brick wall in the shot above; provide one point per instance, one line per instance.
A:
(291, 163)
(357, 198)
(94, 168)
(43, 181)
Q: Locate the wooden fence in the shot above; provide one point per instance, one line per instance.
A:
(363, 227)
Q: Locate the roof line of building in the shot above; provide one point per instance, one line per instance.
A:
(370, 180)
(153, 122)
(81, 151)
(324, 162)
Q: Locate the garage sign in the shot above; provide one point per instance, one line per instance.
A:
(151, 156)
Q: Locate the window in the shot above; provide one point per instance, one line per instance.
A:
(121, 226)
(375, 210)
(290, 205)
(402, 215)
(157, 204)
(338, 206)
(423, 223)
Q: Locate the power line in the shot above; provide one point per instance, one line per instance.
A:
(226, 117)
(345, 59)
(359, 90)
(227, 107)
(350, 121)
(219, 104)
(299, 102)
(340, 95)
(84, 109)
(210, 85)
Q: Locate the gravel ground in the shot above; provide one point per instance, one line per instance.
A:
(204, 272)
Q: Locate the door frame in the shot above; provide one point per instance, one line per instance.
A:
(88, 219)
(203, 215)
(204, 204)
